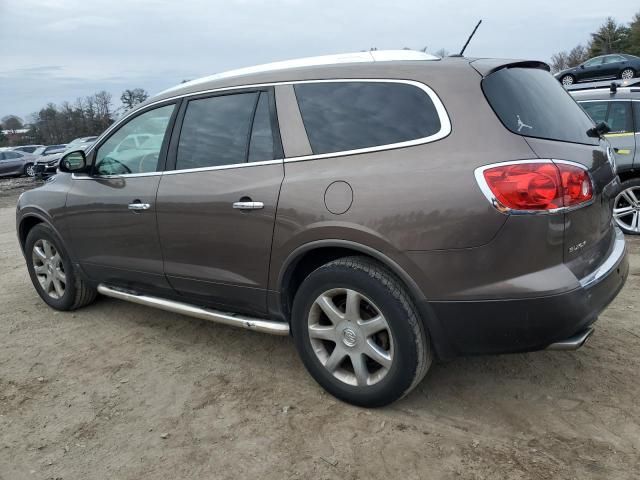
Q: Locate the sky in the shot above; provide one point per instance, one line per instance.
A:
(57, 50)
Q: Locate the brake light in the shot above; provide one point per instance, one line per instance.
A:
(537, 186)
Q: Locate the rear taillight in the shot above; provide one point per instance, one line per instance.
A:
(535, 185)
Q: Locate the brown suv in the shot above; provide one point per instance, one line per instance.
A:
(386, 208)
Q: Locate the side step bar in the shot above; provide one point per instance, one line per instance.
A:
(256, 324)
(572, 343)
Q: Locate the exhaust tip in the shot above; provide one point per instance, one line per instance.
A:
(572, 343)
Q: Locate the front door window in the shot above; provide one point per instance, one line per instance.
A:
(135, 147)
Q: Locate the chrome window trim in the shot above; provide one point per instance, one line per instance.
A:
(223, 167)
(445, 122)
(124, 175)
(495, 203)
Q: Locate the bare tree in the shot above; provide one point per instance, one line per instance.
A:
(12, 123)
(130, 98)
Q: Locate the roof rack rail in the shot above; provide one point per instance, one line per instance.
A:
(371, 56)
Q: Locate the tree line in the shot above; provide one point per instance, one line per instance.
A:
(611, 37)
(54, 124)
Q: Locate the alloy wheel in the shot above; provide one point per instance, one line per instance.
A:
(49, 269)
(350, 337)
(30, 170)
(626, 74)
(626, 209)
(567, 80)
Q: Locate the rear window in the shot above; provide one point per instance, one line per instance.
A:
(343, 116)
(532, 103)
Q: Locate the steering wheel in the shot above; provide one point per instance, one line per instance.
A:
(110, 160)
(145, 158)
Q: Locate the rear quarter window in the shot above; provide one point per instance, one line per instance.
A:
(344, 116)
(530, 102)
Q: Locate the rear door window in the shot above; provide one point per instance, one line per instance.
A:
(532, 103)
(596, 110)
(620, 118)
(226, 130)
(344, 116)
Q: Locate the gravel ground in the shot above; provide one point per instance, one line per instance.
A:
(121, 391)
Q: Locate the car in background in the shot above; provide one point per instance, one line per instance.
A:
(618, 65)
(47, 165)
(27, 148)
(49, 150)
(79, 141)
(13, 163)
(619, 108)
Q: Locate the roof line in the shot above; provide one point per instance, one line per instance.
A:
(355, 57)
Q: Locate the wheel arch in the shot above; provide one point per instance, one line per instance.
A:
(29, 220)
(306, 258)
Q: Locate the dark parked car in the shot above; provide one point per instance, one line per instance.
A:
(618, 65)
(379, 212)
(14, 163)
(619, 107)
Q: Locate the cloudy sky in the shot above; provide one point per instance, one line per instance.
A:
(56, 50)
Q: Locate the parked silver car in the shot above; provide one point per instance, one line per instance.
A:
(16, 163)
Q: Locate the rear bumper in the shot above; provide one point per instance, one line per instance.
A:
(526, 324)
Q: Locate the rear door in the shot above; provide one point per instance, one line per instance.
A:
(217, 205)
(592, 69)
(611, 65)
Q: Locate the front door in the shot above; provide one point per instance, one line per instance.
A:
(216, 208)
(10, 163)
(111, 212)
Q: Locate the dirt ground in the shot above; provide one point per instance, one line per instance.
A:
(121, 391)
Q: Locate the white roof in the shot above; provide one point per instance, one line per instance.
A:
(356, 57)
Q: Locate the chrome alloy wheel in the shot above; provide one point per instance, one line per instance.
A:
(350, 337)
(626, 209)
(626, 74)
(31, 171)
(567, 80)
(49, 269)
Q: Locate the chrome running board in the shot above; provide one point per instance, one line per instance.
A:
(256, 324)
(572, 343)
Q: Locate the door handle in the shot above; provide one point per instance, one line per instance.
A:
(248, 205)
(139, 206)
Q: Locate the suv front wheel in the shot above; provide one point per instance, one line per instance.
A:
(52, 272)
(358, 332)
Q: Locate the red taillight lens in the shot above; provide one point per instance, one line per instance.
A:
(538, 186)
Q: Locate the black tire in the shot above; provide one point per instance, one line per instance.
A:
(29, 168)
(77, 293)
(567, 80)
(412, 350)
(634, 184)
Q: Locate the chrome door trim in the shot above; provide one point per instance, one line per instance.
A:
(248, 205)
(222, 167)
(445, 122)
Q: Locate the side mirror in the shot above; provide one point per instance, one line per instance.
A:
(75, 161)
(582, 66)
(599, 130)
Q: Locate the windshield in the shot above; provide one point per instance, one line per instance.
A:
(532, 103)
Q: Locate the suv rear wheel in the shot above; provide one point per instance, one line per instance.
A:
(52, 272)
(358, 332)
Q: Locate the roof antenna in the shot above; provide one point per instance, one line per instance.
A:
(468, 40)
